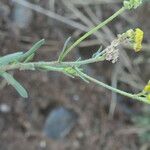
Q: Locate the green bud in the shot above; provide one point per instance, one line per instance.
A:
(70, 70)
(127, 5)
(132, 4)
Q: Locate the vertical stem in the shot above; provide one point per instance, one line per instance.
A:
(93, 30)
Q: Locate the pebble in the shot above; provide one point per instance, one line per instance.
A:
(76, 97)
(59, 122)
(43, 144)
(4, 108)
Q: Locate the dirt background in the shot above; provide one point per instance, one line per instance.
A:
(22, 124)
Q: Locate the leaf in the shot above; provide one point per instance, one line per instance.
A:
(19, 88)
(51, 68)
(10, 58)
(79, 71)
(29, 58)
(33, 49)
(98, 53)
(79, 59)
(61, 56)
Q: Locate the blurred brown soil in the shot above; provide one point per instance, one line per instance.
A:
(21, 128)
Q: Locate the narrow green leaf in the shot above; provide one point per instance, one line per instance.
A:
(98, 53)
(33, 49)
(50, 68)
(19, 88)
(61, 56)
(29, 58)
(79, 71)
(10, 58)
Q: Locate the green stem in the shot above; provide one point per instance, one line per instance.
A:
(38, 65)
(84, 62)
(130, 95)
(93, 30)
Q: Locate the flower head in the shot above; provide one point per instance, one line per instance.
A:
(136, 38)
(130, 4)
(147, 88)
(112, 54)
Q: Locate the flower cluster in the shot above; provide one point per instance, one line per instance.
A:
(136, 38)
(130, 4)
(112, 52)
(147, 88)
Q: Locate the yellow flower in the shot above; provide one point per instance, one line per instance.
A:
(147, 88)
(138, 38)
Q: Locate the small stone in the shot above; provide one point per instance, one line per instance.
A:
(76, 97)
(59, 122)
(43, 144)
(4, 108)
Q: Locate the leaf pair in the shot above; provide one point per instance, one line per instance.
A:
(30, 53)
(10, 58)
(16, 58)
